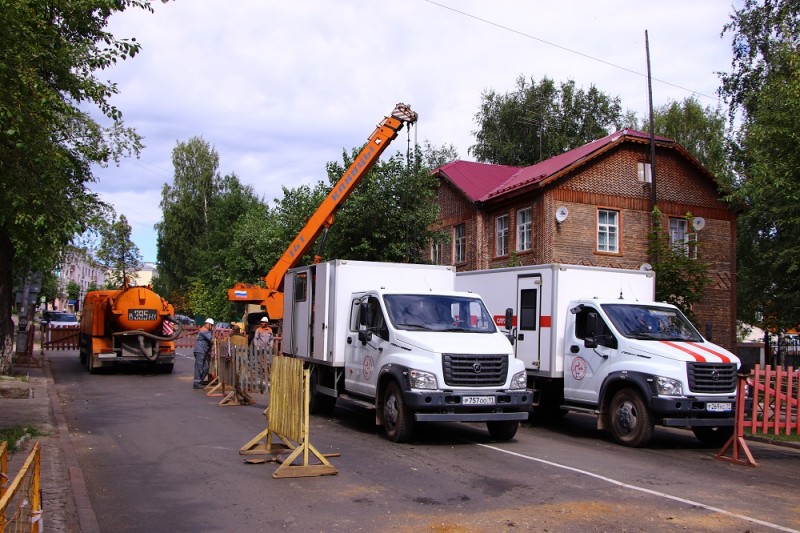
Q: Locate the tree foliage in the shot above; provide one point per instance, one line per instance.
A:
(117, 252)
(538, 121)
(681, 274)
(763, 90)
(49, 59)
(702, 131)
(201, 214)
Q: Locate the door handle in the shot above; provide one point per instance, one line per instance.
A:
(521, 336)
(574, 348)
(349, 340)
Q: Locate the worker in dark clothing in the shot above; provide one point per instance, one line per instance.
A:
(202, 353)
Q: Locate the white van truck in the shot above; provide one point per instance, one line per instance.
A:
(593, 340)
(399, 339)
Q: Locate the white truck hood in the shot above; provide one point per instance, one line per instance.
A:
(453, 342)
(693, 352)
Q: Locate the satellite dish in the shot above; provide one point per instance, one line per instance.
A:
(561, 214)
(698, 223)
(645, 267)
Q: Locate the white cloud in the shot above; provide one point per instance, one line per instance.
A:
(280, 88)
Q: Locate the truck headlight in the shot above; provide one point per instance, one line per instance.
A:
(668, 387)
(417, 379)
(519, 381)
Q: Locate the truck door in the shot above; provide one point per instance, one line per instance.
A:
(363, 355)
(528, 320)
(585, 368)
(299, 341)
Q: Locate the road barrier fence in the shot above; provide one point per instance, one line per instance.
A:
(21, 501)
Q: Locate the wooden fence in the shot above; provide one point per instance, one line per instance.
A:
(21, 501)
(766, 404)
(60, 337)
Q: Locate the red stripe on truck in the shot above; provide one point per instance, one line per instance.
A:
(697, 357)
(725, 358)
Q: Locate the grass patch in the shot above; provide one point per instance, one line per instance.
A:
(780, 437)
(14, 433)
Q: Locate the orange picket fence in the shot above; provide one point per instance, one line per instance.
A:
(766, 404)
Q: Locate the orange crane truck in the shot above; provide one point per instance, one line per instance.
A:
(270, 297)
(130, 324)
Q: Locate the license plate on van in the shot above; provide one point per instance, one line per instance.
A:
(712, 407)
(477, 400)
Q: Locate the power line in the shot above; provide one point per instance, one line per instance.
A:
(566, 49)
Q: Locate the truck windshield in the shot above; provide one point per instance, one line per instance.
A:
(436, 312)
(651, 323)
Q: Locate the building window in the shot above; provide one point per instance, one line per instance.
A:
(460, 243)
(607, 231)
(524, 229)
(644, 173)
(680, 239)
(436, 253)
(501, 235)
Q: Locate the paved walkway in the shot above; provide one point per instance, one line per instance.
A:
(29, 398)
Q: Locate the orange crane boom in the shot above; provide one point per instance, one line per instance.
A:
(271, 296)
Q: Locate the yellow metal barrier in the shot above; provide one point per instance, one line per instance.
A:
(288, 420)
(25, 492)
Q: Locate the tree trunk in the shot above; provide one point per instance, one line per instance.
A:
(7, 253)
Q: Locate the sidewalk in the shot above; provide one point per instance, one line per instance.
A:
(29, 398)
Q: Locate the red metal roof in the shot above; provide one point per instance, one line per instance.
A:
(481, 181)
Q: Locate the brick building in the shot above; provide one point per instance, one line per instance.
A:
(591, 206)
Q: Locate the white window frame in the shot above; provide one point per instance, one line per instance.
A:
(436, 253)
(644, 172)
(501, 235)
(680, 239)
(524, 229)
(459, 243)
(608, 231)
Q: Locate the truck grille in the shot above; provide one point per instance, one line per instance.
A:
(712, 378)
(471, 370)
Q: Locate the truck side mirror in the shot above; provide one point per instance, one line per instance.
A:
(509, 325)
(362, 313)
(592, 327)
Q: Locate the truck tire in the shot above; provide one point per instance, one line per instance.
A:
(630, 420)
(713, 435)
(318, 403)
(502, 430)
(398, 422)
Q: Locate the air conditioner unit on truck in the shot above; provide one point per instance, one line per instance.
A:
(594, 341)
(399, 339)
(130, 324)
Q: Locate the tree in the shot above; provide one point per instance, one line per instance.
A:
(702, 131)
(50, 55)
(117, 252)
(681, 275)
(388, 216)
(538, 121)
(763, 91)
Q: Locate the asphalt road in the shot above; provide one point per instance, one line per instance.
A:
(159, 456)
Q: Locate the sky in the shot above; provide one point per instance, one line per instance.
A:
(279, 89)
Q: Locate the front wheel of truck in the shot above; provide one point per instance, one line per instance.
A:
(502, 429)
(398, 422)
(630, 420)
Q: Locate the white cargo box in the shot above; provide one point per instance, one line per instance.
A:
(541, 294)
(318, 300)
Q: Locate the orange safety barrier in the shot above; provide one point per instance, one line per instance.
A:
(766, 404)
(189, 336)
(21, 501)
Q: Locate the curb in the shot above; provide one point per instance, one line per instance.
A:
(87, 519)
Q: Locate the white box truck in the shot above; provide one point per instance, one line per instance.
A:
(593, 340)
(399, 339)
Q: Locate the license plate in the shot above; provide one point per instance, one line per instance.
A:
(477, 400)
(712, 407)
(142, 314)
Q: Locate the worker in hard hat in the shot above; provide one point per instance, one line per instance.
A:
(202, 353)
(263, 336)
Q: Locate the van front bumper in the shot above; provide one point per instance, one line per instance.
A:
(449, 406)
(695, 411)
